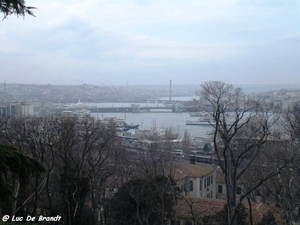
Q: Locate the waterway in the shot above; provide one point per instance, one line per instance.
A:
(176, 121)
(167, 119)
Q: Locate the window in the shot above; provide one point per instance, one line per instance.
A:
(200, 183)
(220, 189)
(204, 182)
(191, 186)
(238, 190)
(208, 181)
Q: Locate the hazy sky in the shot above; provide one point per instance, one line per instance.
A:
(153, 41)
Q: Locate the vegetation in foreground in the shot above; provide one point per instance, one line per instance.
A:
(74, 167)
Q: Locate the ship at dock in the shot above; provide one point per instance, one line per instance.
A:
(201, 121)
(208, 120)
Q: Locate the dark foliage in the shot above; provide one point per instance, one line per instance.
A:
(144, 201)
(221, 217)
(18, 7)
(268, 219)
(14, 163)
(74, 189)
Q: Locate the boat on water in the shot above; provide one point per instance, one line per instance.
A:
(131, 126)
(207, 120)
(198, 114)
(121, 125)
(157, 134)
(201, 121)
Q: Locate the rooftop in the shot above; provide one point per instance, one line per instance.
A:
(207, 207)
(193, 170)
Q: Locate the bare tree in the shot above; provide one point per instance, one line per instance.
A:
(102, 161)
(15, 133)
(284, 189)
(79, 155)
(186, 142)
(36, 138)
(153, 170)
(241, 126)
(85, 158)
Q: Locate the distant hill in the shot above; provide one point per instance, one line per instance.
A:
(262, 88)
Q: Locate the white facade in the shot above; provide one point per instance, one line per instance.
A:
(24, 110)
(202, 185)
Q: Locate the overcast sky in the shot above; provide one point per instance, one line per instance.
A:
(153, 41)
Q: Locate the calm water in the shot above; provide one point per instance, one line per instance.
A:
(146, 120)
(175, 121)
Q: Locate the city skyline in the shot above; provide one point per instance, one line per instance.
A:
(150, 42)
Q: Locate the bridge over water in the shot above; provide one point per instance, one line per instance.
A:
(135, 108)
(148, 109)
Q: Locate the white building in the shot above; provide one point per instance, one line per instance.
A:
(24, 110)
(196, 180)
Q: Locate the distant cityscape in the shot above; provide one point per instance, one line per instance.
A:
(23, 100)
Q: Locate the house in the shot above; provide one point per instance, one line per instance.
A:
(196, 180)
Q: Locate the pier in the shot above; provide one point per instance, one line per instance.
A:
(145, 109)
(135, 108)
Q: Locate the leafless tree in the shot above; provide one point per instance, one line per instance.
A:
(102, 161)
(79, 155)
(284, 189)
(85, 154)
(241, 126)
(37, 137)
(293, 121)
(158, 161)
(186, 142)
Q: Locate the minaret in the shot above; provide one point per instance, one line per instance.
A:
(4, 96)
(170, 90)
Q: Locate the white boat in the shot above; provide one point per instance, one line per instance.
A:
(201, 121)
(207, 120)
(156, 134)
(198, 114)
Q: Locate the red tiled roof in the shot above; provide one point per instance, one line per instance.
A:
(200, 207)
(207, 207)
(193, 170)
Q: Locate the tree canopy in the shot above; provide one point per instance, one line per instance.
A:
(144, 201)
(242, 126)
(14, 162)
(18, 7)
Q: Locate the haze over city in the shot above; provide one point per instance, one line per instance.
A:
(150, 42)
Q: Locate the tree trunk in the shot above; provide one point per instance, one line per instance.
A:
(15, 195)
(250, 210)
(231, 194)
(95, 203)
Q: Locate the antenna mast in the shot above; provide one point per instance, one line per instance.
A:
(4, 92)
(170, 90)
